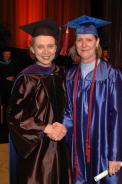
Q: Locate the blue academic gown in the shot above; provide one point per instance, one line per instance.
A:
(106, 121)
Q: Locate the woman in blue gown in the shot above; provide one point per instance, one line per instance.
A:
(93, 115)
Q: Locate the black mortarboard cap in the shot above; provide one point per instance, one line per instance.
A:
(87, 25)
(43, 27)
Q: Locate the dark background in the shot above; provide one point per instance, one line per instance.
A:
(14, 13)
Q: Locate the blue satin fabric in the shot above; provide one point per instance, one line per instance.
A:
(13, 160)
(106, 124)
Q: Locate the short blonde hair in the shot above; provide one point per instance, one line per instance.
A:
(31, 45)
(32, 41)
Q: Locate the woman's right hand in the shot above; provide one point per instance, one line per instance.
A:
(55, 131)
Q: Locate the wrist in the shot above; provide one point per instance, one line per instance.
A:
(47, 129)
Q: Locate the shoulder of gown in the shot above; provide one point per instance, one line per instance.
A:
(105, 71)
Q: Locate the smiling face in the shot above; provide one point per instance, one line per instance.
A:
(86, 45)
(44, 49)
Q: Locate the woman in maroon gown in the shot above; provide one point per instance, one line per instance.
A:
(38, 153)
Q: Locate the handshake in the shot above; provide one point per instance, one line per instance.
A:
(55, 131)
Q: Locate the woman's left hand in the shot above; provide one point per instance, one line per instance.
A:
(114, 166)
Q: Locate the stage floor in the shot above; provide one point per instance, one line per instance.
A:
(4, 163)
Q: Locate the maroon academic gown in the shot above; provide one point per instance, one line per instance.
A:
(38, 99)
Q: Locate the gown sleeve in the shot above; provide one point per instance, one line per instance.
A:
(68, 114)
(25, 130)
(115, 118)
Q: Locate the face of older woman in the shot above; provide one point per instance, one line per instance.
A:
(44, 49)
(86, 47)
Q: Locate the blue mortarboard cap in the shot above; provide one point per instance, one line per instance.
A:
(87, 25)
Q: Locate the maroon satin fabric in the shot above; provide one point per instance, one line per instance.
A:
(40, 159)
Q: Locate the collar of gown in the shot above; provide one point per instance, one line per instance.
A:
(37, 68)
(87, 68)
